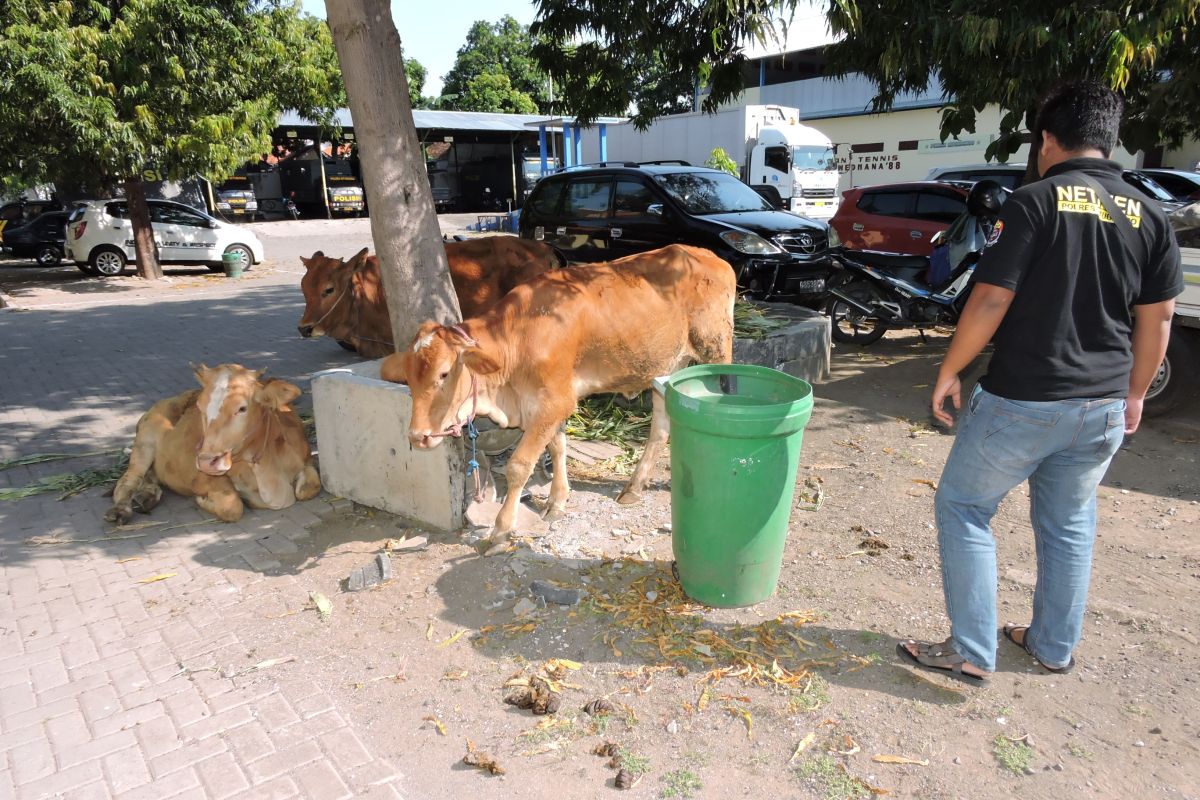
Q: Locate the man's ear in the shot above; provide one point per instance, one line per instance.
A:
(478, 361)
(395, 367)
(277, 394)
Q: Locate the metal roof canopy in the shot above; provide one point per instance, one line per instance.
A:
(572, 133)
(436, 120)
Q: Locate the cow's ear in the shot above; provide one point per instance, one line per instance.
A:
(277, 394)
(395, 368)
(309, 263)
(201, 372)
(359, 260)
(478, 361)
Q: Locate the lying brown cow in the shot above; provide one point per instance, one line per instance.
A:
(235, 439)
(345, 300)
(565, 335)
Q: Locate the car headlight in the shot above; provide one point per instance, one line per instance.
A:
(750, 243)
(834, 239)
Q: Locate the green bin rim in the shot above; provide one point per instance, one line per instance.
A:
(787, 408)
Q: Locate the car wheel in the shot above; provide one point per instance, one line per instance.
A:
(849, 325)
(1173, 383)
(48, 256)
(244, 255)
(107, 262)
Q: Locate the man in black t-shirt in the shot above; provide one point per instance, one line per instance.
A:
(1076, 290)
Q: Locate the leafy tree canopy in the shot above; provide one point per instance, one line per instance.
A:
(1012, 54)
(1008, 54)
(96, 92)
(416, 74)
(492, 51)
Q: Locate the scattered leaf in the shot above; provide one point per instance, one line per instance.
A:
(127, 560)
(702, 703)
(554, 664)
(429, 633)
(454, 675)
(804, 743)
(481, 760)
(886, 759)
(162, 576)
(322, 604)
(437, 723)
(452, 639)
(746, 716)
(925, 482)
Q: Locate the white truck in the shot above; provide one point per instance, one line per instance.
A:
(769, 144)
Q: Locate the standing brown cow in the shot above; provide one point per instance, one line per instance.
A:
(565, 335)
(345, 300)
(233, 442)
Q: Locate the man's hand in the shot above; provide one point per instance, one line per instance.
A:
(947, 384)
(1133, 413)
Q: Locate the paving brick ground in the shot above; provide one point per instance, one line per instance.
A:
(115, 687)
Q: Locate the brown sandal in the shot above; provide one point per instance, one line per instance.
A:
(1011, 628)
(940, 657)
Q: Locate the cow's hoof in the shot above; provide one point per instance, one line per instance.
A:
(146, 500)
(119, 515)
(554, 512)
(629, 498)
(495, 545)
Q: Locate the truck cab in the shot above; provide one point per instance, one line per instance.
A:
(800, 163)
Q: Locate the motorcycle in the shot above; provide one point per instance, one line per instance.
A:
(875, 292)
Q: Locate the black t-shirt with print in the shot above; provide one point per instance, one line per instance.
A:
(1067, 333)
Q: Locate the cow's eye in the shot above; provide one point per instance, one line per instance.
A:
(443, 376)
(242, 410)
(327, 292)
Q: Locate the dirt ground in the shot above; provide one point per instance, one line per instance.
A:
(813, 696)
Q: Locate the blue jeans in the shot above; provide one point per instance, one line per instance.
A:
(1063, 448)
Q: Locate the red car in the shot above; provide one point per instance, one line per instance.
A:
(897, 217)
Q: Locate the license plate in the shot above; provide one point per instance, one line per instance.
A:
(810, 286)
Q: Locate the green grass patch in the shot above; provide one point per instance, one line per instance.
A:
(1016, 757)
(812, 697)
(682, 783)
(67, 484)
(831, 778)
(635, 764)
(1079, 751)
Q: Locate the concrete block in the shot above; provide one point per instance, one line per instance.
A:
(362, 444)
(801, 349)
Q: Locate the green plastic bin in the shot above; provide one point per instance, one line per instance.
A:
(231, 263)
(736, 432)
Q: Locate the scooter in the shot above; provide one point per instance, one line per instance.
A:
(875, 292)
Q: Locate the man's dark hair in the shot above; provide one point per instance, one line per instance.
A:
(1082, 116)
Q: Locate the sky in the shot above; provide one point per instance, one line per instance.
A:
(432, 34)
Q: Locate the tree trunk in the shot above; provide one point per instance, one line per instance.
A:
(1032, 172)
(143, 230)
(404, 225)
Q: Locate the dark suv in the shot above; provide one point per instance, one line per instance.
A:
(602, 212)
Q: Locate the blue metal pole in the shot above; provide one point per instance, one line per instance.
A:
(762, 73)
(603, 142)
(578, 145)
(568, 147)
(542, 146)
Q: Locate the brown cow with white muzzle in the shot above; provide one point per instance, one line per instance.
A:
(345, 300)
(565, 335)
(233, 442)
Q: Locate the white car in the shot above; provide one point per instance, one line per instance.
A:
(100, 237)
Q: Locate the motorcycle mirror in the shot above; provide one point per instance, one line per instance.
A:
(655, 209)
(938, 238)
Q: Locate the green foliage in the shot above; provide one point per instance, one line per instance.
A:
(493, 91)
(416, 74)
(682, 783)
(495, 71)
(719, 159)
(96, 92)
(835, 783)
(1012, 54)
(1016, 757)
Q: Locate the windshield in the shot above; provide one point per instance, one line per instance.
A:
(711, 192)
(813, 157)
(1151, 188)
